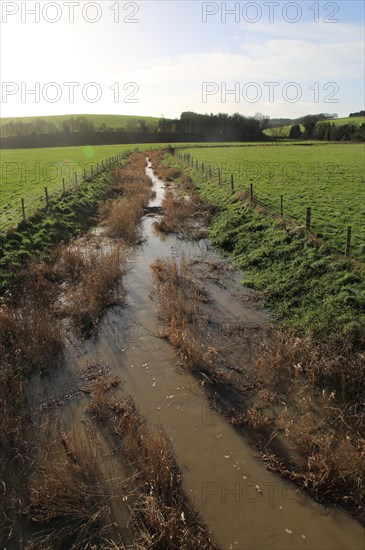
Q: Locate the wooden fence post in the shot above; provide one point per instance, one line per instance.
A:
(308, 220)
(281, 206)
(47, 198)
(75, 174)
(202, 167)
(210, 172)
(63, 185)
(348, 242)
(196, 165)
(232, 183)
(219, 177)
(23, 209)
(251, 193)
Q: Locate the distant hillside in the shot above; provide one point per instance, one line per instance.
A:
(283, 131)
(126, 122)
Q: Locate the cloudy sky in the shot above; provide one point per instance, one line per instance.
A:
(284, 59)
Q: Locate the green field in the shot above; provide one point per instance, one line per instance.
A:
(329, 178)
(283, 131)
(112, 121)
(26, 172)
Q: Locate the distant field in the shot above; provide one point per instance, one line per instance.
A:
(283, 131)
(329, 178)
(25, 173)
(112, 121)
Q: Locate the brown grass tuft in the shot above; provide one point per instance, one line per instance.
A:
(179, 299)
(160, 514)
(93, 285)
(184, 215)
(66, 501)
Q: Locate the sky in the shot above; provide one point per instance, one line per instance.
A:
(160, 58)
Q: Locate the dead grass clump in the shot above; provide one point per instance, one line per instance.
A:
(183, 215)
(97, 406)
(321, 434)
(71, 263)
(16, 443)
(29, 334)
(131, 180)
(179, 299)
(163, 171)
(14, 416)
(282, 357)
(121, 218)
(161, 516)
(97, 285)
(66, 501)
(132, 186)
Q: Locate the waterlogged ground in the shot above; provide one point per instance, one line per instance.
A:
(244, 505)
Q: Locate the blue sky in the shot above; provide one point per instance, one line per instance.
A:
(283, 59)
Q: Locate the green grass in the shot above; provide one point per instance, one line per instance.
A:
(358, 120)
(329, 178)
(112, 121)
(283, 131)
(26, 172)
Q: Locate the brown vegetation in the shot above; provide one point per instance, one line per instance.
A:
(184, 215)
(304, 434)
(132, 187)
(178, 307)
(91, 281)
(160, 513)
(67, 503)
(327, 437)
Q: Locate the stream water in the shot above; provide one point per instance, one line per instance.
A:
(246, 506)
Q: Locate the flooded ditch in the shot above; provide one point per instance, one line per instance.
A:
(245, 506)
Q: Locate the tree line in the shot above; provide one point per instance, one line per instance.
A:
(82, 131)
(189, 127)
(315, 128)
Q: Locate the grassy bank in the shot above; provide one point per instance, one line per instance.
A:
(62, 220)
(328, 178)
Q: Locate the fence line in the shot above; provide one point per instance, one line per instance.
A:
(86, 178)
(248, 196)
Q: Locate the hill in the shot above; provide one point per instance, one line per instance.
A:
(126, 122)
(283, 131)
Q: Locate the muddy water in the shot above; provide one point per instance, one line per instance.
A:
(247, 507)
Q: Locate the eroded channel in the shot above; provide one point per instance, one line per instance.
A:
(245, 506)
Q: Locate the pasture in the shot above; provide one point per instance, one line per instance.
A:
(329, 178)
(26, 172)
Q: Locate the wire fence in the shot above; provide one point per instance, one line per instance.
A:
(277, 207)
(79, 178)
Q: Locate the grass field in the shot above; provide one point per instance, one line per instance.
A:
(329, 178)
(283, 131)
(112, 121)
(26, 172)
